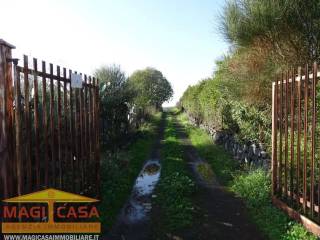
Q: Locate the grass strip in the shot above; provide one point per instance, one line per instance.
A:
(252, 185)
(173, 193)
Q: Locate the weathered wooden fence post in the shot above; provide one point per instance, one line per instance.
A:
(6, 120)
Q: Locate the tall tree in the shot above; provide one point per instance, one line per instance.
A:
(290, 29)
(151, 88)
(116, 98)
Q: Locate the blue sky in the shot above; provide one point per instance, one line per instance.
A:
(178, 37)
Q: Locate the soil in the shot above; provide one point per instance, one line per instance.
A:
(133, 222)
(221, 215)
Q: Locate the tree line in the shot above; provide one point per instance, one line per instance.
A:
(127, 102)
(266, 37)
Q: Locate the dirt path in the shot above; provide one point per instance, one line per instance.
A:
(221, 214)
(133, 222)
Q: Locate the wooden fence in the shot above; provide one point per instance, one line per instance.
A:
(295, 145)
(49, 130)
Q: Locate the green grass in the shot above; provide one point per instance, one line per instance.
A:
(175, 188)
(205, 171)
(222, 164)
(253, 186)
(120, 171)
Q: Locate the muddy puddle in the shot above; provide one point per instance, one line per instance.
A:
(137, 208)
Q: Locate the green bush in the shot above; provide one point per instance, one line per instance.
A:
(254, 187)
(253, 123)
(206, 104)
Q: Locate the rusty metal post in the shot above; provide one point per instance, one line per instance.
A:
(313, 139)
(280, 136)
(274, 136)
(6, 120)
(298, 192)
(292, 131)
(97, 140)
(305, 139)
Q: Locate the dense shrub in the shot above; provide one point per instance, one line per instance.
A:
(116, 100)
(206, 104)
(252, 123)
(125, 103)
(266, 39)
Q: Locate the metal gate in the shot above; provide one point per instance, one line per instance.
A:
(295, 149)
(52, 129)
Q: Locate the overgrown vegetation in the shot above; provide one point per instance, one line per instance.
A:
(116, 98)
(252, 185)
(266, 37)
(175, 188)
(128, 102)
(255, 188)
(120, 170)
(216, 104)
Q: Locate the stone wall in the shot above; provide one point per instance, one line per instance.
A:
(250, 152)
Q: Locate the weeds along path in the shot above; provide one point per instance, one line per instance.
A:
(133, 222)
(220, 215)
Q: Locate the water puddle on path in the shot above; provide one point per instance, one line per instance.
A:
(139, 204)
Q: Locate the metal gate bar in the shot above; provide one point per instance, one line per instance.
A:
(295, 154)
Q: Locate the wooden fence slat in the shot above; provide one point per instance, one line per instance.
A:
(19, 166)
(27, 119)
(97, 142)
(72, 148)
(77, 137)
(86, 147)
(59, 128)
(52, 131)
(45, 125)
(81, 132)
(36, 122)
(65, 127)
(90, 128)
(94, 128)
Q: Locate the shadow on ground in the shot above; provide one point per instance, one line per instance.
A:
(220, 214)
